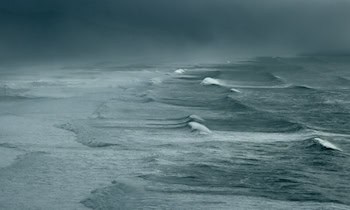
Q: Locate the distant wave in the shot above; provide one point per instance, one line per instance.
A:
(194, 122)
(11, 92)
(300, 87)
(23, 92)
(196, 118)
(203, 73)
(187, 77)
(343, 81)
(47, 83)
(147, 96)
(282, 86)
(221, 103)
(186, 119)
(254, 122)
(19, 97)
(208, 81)
(243, 122)
(8, 145)
(257, 77)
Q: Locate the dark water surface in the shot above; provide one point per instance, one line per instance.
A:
(272, 133)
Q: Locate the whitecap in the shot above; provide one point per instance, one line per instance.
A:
(211, 81)
(202, 129)
(326, 144)
(235, 90)
(179, 71)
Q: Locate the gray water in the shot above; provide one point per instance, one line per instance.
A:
(271, 133)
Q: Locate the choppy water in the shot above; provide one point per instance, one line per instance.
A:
(272, 133)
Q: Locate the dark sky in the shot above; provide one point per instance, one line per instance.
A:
(41, 30)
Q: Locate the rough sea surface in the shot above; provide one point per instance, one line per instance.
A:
(271, 133)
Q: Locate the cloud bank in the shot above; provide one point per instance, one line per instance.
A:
(83, 29)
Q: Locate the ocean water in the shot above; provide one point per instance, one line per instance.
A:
(269, 133)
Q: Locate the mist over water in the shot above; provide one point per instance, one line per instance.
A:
(163, 104)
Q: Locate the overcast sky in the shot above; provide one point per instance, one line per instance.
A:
(84, 29)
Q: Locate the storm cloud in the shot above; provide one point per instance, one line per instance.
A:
(80, 29)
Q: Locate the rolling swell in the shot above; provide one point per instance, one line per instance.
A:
(249, 77)
(194, 122)
(300, 170)
(264, 139)
(235, 115)
(232, 113)
(254, 122)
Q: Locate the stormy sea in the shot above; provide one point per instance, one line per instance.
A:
(262, 133)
